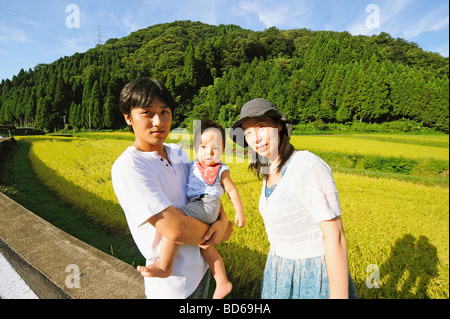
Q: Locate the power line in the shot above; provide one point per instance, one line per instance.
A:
(38, 29)
(26, 18)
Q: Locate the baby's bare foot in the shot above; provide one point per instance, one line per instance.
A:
(154, 270)
(222, 290)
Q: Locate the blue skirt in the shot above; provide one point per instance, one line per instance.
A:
(297, 279)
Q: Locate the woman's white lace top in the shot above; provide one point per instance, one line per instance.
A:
(304, 196)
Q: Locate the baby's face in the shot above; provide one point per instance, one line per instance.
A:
(210, 150)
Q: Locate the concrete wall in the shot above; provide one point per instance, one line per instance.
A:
(57, 265)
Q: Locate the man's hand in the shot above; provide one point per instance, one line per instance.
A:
(215, 235)
(219, 231)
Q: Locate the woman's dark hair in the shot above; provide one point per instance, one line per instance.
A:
(260, 164)
(141, 92)
(206, 124)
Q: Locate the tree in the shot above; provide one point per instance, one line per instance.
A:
(95, 107)
(382, 105)
(62, 100)
(310, 75)
(349, 97)
(364, 96)
(298, 95)
(30, 108)
(45, 114)
(72, 115)
(190, 67)
(398, 95)
(108, 112)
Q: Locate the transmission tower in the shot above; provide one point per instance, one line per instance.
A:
(99, 35)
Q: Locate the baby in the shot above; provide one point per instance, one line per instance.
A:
(208, 179)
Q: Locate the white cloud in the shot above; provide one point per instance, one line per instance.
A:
(270, 13)
(152, 12)
(394, 7)
(72, 46)
(211, 16)
(431, 22)
(269, 16)
(130, 22)
(442, 50)
(12, 35)
(358, 29)
(197, 10)
(389, 18)
(79, 44)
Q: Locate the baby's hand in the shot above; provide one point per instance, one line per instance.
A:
(240, 220)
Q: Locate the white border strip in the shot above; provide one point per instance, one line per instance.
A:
(11, 285)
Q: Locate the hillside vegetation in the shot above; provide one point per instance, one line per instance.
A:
(313, 76)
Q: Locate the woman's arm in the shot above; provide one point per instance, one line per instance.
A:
(335, 257)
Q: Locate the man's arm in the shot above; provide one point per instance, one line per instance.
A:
(178, 227)
(186, 230)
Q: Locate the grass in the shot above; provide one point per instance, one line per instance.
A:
(20, 182)
(78, 170)
(379, 216)
(357, 144)
(396, 221)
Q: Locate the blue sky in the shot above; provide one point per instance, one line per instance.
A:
(41, 31)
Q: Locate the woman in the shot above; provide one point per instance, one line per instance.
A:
(300, 207)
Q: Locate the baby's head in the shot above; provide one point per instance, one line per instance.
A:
(210, 143)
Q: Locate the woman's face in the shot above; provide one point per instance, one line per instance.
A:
(262, 135)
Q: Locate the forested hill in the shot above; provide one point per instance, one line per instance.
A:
(213, 70)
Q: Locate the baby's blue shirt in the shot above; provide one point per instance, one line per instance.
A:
(197, 186)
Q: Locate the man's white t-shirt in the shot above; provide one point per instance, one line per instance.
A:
(146, 184)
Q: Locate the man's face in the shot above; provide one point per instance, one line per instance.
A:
(151, 125)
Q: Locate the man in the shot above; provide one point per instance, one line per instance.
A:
(149, 180)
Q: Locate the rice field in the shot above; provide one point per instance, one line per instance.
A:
(397, 231)
(412, 146)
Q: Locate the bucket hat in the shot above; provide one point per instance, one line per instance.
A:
(257, 108)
